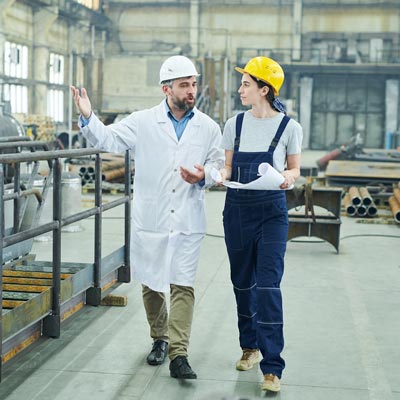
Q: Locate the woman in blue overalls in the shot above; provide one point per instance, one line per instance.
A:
(256, 221)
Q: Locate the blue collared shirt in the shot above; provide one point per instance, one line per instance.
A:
(180, 125)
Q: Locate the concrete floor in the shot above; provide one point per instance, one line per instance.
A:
(342, 327)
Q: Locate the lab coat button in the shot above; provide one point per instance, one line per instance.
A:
(173, 190)
(172, 211)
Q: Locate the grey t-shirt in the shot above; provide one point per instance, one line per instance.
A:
(257, 135)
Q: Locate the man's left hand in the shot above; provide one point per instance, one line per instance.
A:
(193, 177)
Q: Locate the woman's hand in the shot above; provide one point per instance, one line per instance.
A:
(289, 180)
(226, 173)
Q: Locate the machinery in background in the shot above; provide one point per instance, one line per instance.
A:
(354, 151)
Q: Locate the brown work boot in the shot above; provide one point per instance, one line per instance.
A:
(249, 358)
(271, 383)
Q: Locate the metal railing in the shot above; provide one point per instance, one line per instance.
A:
(52, 321)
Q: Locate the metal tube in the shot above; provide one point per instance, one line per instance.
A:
(372, 210)
(6, 139)
(29, 234)
(349, 206)
(17, 202)
(361, 210)
(24, 193)
(113, 174)
(366, 197)
(114, 203)
(97, 224)
(2, 230)
(127, 219)
(107, 165)
(27, 144)
(396, 194)
(45, 155)
(57, 215)
(355, 195)
(78, 217)
(395, 207)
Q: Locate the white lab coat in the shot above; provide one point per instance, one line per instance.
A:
(168, 217)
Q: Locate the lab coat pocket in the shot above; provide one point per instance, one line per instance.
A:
(145, 214)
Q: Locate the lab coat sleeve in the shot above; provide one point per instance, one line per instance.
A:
(215, 157)
(114, 138)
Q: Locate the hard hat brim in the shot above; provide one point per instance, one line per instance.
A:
(241, 70)
(180, 77)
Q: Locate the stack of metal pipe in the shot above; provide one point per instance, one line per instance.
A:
(113, 171)
(358, 202)
(394, 202)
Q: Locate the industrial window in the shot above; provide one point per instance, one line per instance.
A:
(55, 104)
(56, 73)
(93, 4)
(55, 97)
(17, 95)
(16, 60)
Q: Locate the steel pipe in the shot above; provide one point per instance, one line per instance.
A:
(372, 210)
(355, 196)
(113, 174)
(349, 206)
(26, 144)
(361, 210)
(24, 193)
(365, 195)
(6, 139)
(45, 155)
(395, 207)
(396, 194)
(107, 165)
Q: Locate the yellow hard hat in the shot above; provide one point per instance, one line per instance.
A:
(265, 69)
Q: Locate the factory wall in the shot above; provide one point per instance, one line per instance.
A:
(317, 42)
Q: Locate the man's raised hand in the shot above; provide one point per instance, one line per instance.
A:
(82, 101)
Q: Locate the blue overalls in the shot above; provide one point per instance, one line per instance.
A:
(256, 229)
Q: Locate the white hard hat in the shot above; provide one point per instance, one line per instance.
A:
(177, 67)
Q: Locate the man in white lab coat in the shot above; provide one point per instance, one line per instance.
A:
(174, 146)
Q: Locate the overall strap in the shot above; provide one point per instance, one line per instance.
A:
(239, 123)
(278, 134)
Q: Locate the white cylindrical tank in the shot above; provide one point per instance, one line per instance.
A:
(71, 195)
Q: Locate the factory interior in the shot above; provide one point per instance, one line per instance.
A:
(73, 325)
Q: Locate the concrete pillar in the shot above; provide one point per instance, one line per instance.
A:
(392, 105)
(42, 21)
(2, 41)
(194, 27)
(306, 87)
(296, 29)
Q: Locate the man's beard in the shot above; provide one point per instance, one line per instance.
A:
(183, 105)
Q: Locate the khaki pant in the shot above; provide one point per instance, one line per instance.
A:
(176, 328)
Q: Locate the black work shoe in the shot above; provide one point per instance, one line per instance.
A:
(180, 368)
(158, 353)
